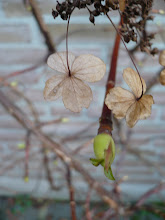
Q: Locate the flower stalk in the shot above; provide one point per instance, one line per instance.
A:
(106, 116)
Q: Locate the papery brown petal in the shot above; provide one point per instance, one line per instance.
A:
(146, 103)
(58, 61)
(119, 100)
(132, 79)
(139, 110)
(89, 68)
(162, 58)
(76, 94)
(162, 77)
(122, 5)
(53, 87)
(132, 115)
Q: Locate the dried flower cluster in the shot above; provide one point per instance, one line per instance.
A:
(69, 83)
(135, 17)
(135, 14)
(133, 106)
(162, 62)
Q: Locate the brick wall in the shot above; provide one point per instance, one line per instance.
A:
(21, 46)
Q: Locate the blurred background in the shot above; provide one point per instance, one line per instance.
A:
(33, 180)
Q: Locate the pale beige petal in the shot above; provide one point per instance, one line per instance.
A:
(89, 68)
(139, 110)
(132, 79)
(132, 115)
(162, 58)
(146, 103)
(119, 100)
(53, 87)
(162, 77)
(76, 94)
(58, 61)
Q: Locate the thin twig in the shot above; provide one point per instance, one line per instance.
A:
(48, 171)
(71, 192)
(152, 191)
(27, 146)
(42, 26)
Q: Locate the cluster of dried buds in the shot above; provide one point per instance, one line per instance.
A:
(99, 7)
(135, 15)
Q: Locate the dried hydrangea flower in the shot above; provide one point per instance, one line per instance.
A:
(122, 5)
(69, 83)
(133, 106)
(162, 62)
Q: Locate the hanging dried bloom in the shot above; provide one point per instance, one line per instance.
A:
(122, 5)
(162, 62)
(69, 83)
(133, 106)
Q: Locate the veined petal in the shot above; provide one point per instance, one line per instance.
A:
(119, 100)
(132, 79)
(58, 61)
(139, 110)
(76, 94)
(162, 58)
(89, 68)
(146, 103)
(162, 77)
(53, 87)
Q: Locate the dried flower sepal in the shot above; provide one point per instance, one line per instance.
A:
(162, 58)
(162, 62)
(162, 77)
(69, 83)
(133, 106)
(122, 5)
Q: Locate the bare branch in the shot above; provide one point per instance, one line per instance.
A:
(61, 152)
(42, 26)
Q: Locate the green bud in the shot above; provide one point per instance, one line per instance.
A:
(101, 144)
(104, 149)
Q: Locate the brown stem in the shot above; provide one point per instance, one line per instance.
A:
(27, 144)
(106, 117)
(71, 193)
(42, 26)
(48, 171)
